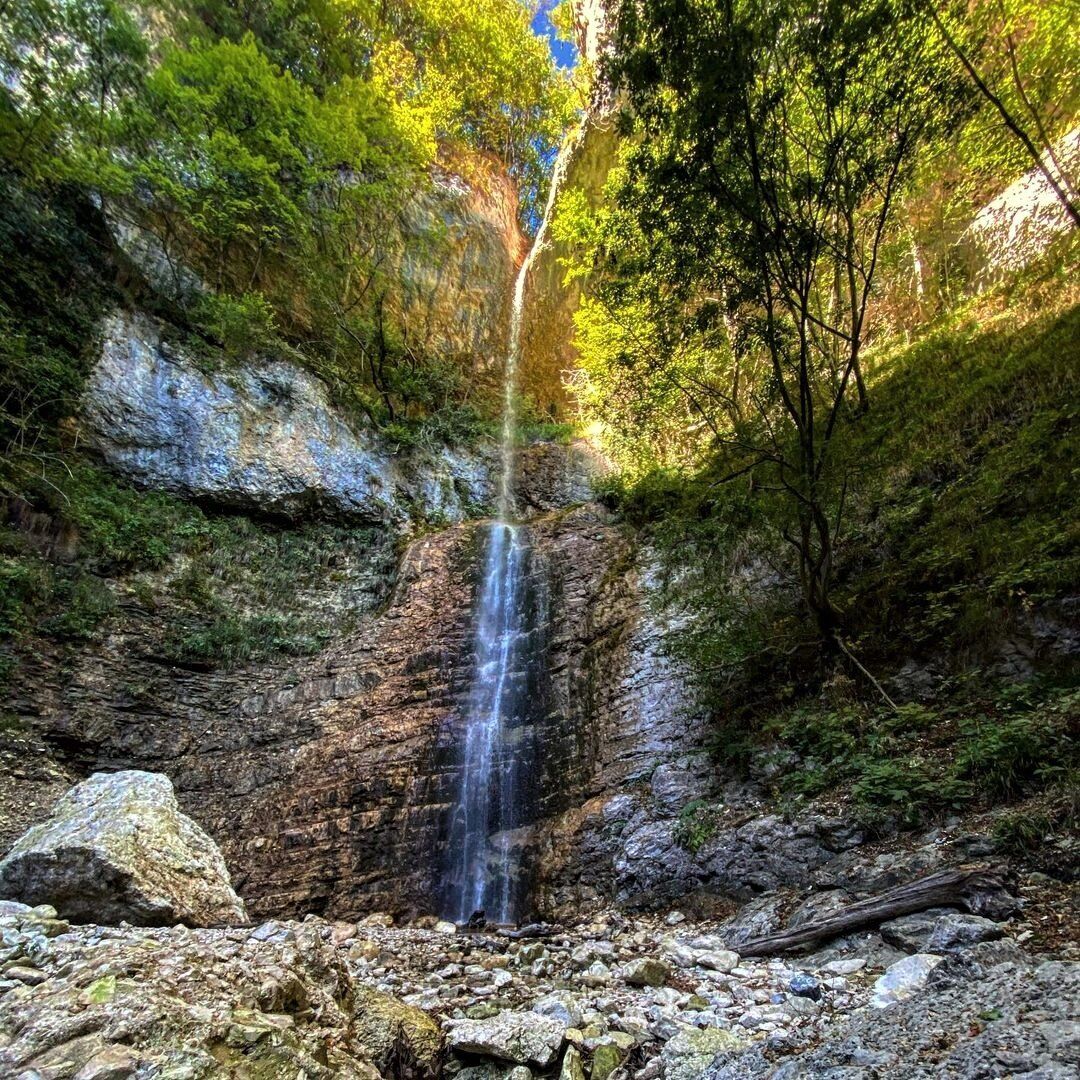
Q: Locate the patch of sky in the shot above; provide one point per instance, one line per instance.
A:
(564, 52)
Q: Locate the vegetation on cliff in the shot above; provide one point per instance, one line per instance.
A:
(856, 457)
(264, 157)
(264, 178)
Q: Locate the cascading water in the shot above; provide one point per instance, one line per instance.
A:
(488, 804)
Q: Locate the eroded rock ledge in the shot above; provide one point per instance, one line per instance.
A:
(265, 437)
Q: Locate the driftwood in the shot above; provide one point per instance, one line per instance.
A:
(978, 889)
(533, 930)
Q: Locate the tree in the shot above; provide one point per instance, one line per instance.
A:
(769, 142)
(1011, 83)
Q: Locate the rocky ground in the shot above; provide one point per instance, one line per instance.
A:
(631, 997)
(196, 991)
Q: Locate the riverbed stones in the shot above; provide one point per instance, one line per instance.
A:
(691, 1051)
(200, 1003)
(903, 979)
(646, 971)
(524, 1038)
(572, 1067)
(117, 848)
(561, 1006)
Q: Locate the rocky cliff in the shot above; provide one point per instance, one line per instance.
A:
(326, 780)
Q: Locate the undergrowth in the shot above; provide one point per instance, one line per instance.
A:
(224, 589)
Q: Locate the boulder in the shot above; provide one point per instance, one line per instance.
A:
(525, 1038)
(607, 1057)
(691, 1051)
(939, 931)
(646, 971)
(389, 1030)
(117, 848)
(903, 979)
(572, 1067)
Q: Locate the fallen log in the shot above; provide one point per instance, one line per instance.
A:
(532, 930)
(978, 889)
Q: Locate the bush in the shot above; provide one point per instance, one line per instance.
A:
(236, 639)
(241, 325)
(696, 825)
(1007, 756)
(86, 602)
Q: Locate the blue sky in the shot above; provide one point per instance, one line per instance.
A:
(565, 54)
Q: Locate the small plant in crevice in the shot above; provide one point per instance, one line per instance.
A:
(697, 823)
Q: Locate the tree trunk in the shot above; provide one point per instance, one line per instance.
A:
(979, 889)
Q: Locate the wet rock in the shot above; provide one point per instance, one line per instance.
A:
(118, 849)
(805, 986)
(903, 979)
(525, 1038)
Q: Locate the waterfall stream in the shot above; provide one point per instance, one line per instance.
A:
(482, 871)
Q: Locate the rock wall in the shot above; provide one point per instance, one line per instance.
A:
(460, 253)
(266, 437)
(326, 781)
(451, 259)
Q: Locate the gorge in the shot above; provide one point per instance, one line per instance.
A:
(517, 567)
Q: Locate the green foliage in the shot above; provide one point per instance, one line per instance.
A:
(901, 767)
(85, 603)
(696, 825)
(51, 296)
(235, 639)
(241, 325)
(1004, 756)
(273, 149)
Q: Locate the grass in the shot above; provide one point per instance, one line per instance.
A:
(961, 523)
(901, 769)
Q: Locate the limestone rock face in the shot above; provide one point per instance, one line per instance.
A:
(265, 437)
(1024, 220)
(117, 848)
(460, 253)
(451, 258)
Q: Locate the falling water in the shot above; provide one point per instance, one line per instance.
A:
(488, 806)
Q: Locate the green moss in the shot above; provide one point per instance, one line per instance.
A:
(227, 589)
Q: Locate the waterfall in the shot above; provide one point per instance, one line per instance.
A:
(488, 803)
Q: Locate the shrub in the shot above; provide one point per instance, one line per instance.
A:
(696, 825)
(1006, 756)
